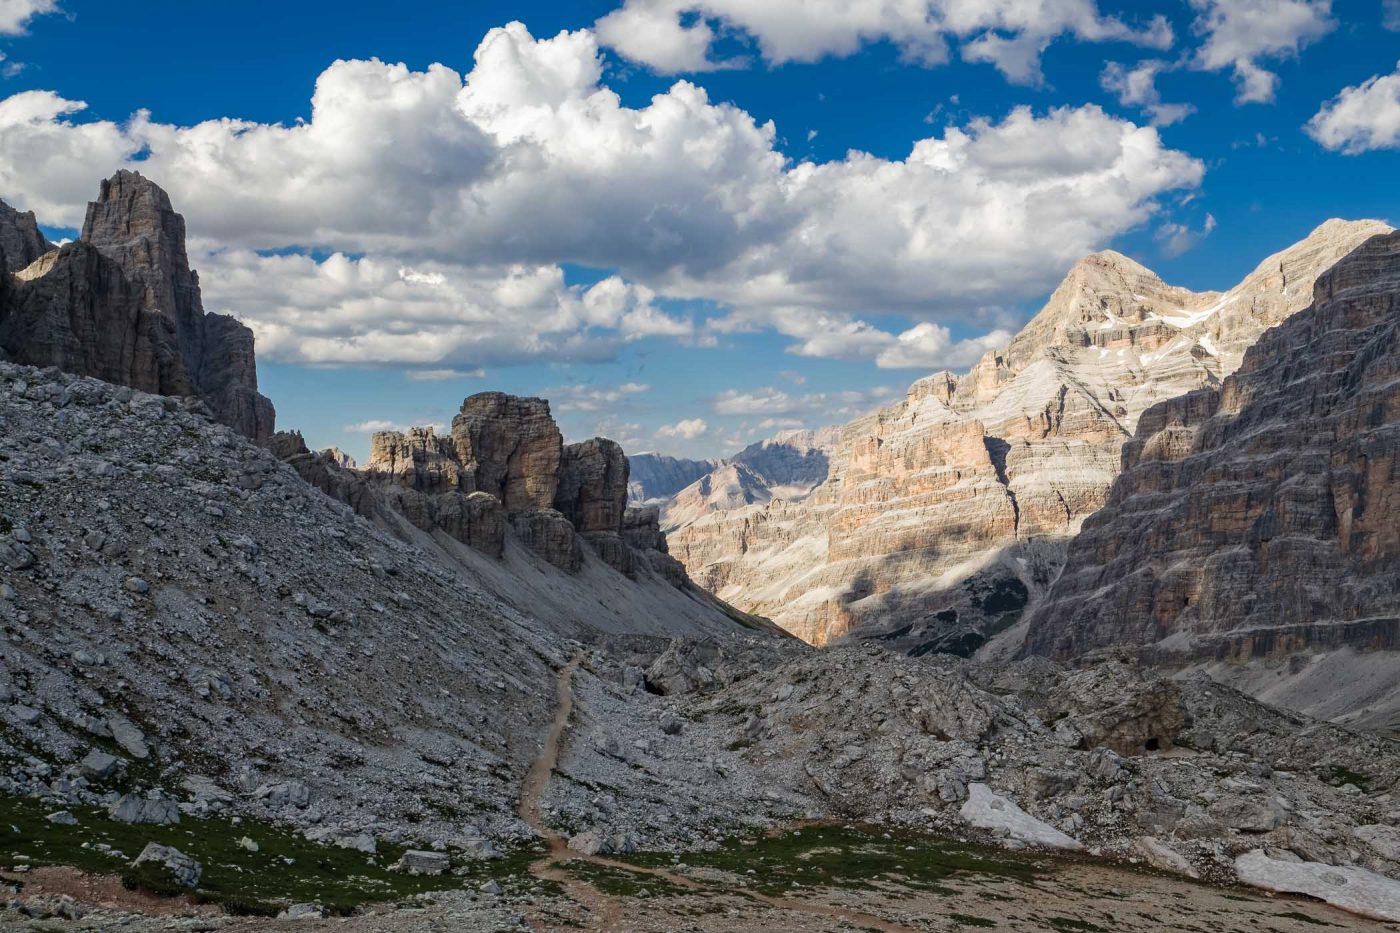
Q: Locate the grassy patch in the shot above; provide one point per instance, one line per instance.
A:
(966, 921)
(1074, 925)
(1304, 918)
(619, 882)
(850, 857)
(286, 869)
(1339, 775)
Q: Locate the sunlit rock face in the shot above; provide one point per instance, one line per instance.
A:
(945, 515)
(1257, 518)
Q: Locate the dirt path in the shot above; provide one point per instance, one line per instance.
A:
(605, 911)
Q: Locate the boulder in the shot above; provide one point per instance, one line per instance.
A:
(126, 734)
(590, 842)
(988, 810)
(154, 808)
(97, 765)
(1248, 814)
(419, 862)
(182, 869)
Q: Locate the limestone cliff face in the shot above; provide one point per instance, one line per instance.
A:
(512, 448)
(946, 514)
(20, 240)
(592, 491)
(122, 304)
(1259, 518)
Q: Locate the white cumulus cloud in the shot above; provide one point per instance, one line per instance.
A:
(1137, 87)
(1361, 118)
(530, 161)
(594, 398)
(931, 346)
(1239, 34)
(15, 15)
(688, 429)
(673, 36)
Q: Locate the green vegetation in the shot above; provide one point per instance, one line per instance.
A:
(1340, 775)
(1074, 925)
(850, 857)
(286, 868)
(620, 882)
(1304, 918)
(966, 921)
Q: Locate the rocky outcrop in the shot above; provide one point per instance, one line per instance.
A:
(21, 242)
(1258, 519)
(475, 519)
(641, 531)
(510, 447)
(503, 450)
(122, 304)
(592, 492)
(946, 514)
(549, 534)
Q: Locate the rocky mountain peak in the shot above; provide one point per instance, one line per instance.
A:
(122, 304)
(952, 507)
(514, 448)
(21, 243)
(1257, 520)
(133, 223)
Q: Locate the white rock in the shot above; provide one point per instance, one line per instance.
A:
(418, 862)
(988, 810)
(1347, 887)
(1160, 855)
(156, 809)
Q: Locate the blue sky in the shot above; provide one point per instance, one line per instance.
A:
(663, 266)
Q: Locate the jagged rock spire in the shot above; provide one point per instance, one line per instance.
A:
(123, 304)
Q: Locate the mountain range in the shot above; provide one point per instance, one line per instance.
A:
(1129, 588)
(946, 516)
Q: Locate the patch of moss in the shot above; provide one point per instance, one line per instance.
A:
(1074, 925)
(965, 920)
(619, 882)
(1340, 775)
(851, 857)
(1304, 918)
(287, 868)
(153, 879)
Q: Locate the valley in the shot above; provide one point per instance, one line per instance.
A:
(1037, 648)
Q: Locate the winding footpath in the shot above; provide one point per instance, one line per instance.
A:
(604, 910)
